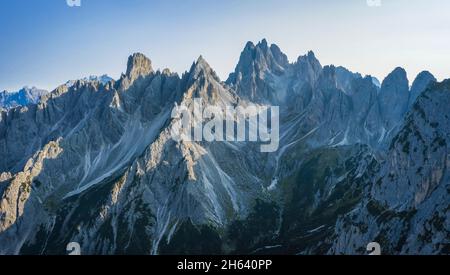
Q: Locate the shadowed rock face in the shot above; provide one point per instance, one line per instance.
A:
(394, 96)
(420, 84)
(257, 63)
(94, 162)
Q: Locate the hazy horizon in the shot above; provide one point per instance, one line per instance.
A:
(47, 43)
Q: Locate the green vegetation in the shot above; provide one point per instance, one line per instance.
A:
(375, 208)
(190, 239)
(258, 229)
(311, 208)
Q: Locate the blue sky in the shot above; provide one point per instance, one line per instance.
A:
(45, 43)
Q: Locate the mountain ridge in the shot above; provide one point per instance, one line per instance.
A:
(95, 162)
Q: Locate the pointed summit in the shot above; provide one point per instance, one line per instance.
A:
(263, 45)
(201, 68)
(138, 65)
(310, 57)
(396, 82)
(200, 65)
(202, 82)
(397, 74)
(419, 85)
(256, 64)
(201, 61)
(394, 97)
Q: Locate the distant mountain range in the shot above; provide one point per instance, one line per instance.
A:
(22, 97)
(26, 95)
(359, 162)
(102, 79)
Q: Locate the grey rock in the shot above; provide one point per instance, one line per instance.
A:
(405, 208)
(95, 163)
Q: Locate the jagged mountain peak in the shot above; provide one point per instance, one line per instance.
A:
(259, 58)
(202, 82)
(263, 44)
(310, 60)
(201, 68)
(258, 63)
(309, 57)
(138, 65)
(311, 54)
(201, 62)
(272, 49)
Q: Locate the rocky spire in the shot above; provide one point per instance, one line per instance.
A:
(259, 58)
(394, 96)
(201, 68)
(138, 65)
(255, 64)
